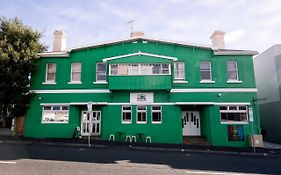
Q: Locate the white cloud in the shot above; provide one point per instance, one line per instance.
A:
(234, 36)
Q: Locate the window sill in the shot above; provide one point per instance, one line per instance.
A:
(233, 81)
(49, 83)
(207, 81)
(126, 122)
(156, 122)
(180, 81)
(100, 82)
(141, 122)
(235, 123)
(75, 82)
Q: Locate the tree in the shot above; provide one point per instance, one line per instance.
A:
(19, 45)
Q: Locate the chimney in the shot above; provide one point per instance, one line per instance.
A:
(137, 34)
(218, 39)
(59, 41)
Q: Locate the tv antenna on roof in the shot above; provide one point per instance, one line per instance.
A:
(132, 24)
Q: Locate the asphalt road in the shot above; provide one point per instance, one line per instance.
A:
(16, 159)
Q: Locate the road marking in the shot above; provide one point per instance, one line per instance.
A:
(7, 162)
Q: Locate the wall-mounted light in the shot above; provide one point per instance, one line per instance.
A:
(40, 98)
(219, 94)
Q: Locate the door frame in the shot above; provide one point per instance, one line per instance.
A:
(91, 124)
(199, 129)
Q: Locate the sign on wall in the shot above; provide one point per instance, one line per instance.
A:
(141, 98)
(235, 132)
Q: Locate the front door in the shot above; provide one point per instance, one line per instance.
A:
(91, 126)
(191, 123)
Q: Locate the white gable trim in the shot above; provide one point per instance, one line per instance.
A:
(139, 54)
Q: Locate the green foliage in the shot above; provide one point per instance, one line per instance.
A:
(19, 45)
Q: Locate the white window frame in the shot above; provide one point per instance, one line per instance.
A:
(55, 111)
(126, 122)
(178, 70)
(237, 110)
(159, 110)
(100, 81)
(71, 72)
(46, 75)
(142, 112)
(139, 69)
(237, 73)
(210, 70)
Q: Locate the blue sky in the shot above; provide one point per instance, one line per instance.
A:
(252, 24)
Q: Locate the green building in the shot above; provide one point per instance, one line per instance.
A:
(144, 89)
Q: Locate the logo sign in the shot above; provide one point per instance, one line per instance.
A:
(141, 98)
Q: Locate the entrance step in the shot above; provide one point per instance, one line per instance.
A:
(194, 140)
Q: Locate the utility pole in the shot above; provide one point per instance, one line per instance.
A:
(90, 109)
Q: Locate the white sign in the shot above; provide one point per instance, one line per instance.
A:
(141, 98)
(89, 106)
(251, 115)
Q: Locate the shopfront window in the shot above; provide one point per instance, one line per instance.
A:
(55, 114)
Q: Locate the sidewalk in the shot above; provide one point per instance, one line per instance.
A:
(142, 146)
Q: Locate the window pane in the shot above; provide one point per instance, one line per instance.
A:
(51, 77)
(232, 71)
(101, 67)
(76, 76)
(76, 67)
(205, 75)
(223, 108)
(133, 69)
(232, 75)
(156, 108)
(242, 108)
(123, 69)
(156, 68)
(179, 71)
(56, 107)
(51, 68)
(205, 66)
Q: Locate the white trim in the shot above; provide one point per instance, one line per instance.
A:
(67, 91)
(230, 104)
(207, 81)
(180, 82)
(53, 54)
(234, 123)
(139, 54)
(100, 82)
(216, 90)
(233, 81)
(54, 104)
(85, 103)
(235, 52)
(75, 82)
(194, 103)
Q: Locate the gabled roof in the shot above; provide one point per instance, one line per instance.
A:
(216, 51)
(139, 54)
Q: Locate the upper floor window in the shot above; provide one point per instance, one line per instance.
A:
(101, 71)
(76, 72)
(140, 69)
(179, 71)
(205, 71)
(232, 71)
(51, 70)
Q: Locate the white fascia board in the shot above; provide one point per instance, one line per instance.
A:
(68, 91)
(53, 54)
(139, 54)
(85, 103)
(233, 103)
(215, 90)
(237, 52)
(54, 104)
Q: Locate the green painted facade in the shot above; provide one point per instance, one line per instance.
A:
(117, 91)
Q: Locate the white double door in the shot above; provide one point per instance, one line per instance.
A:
(191, 123)
(91, 126)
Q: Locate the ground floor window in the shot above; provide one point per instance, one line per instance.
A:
(156, 114)
(233, 114)
(126, 114)
(55, 114)
(141, 114)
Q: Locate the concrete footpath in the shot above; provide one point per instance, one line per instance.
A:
(268, 151)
